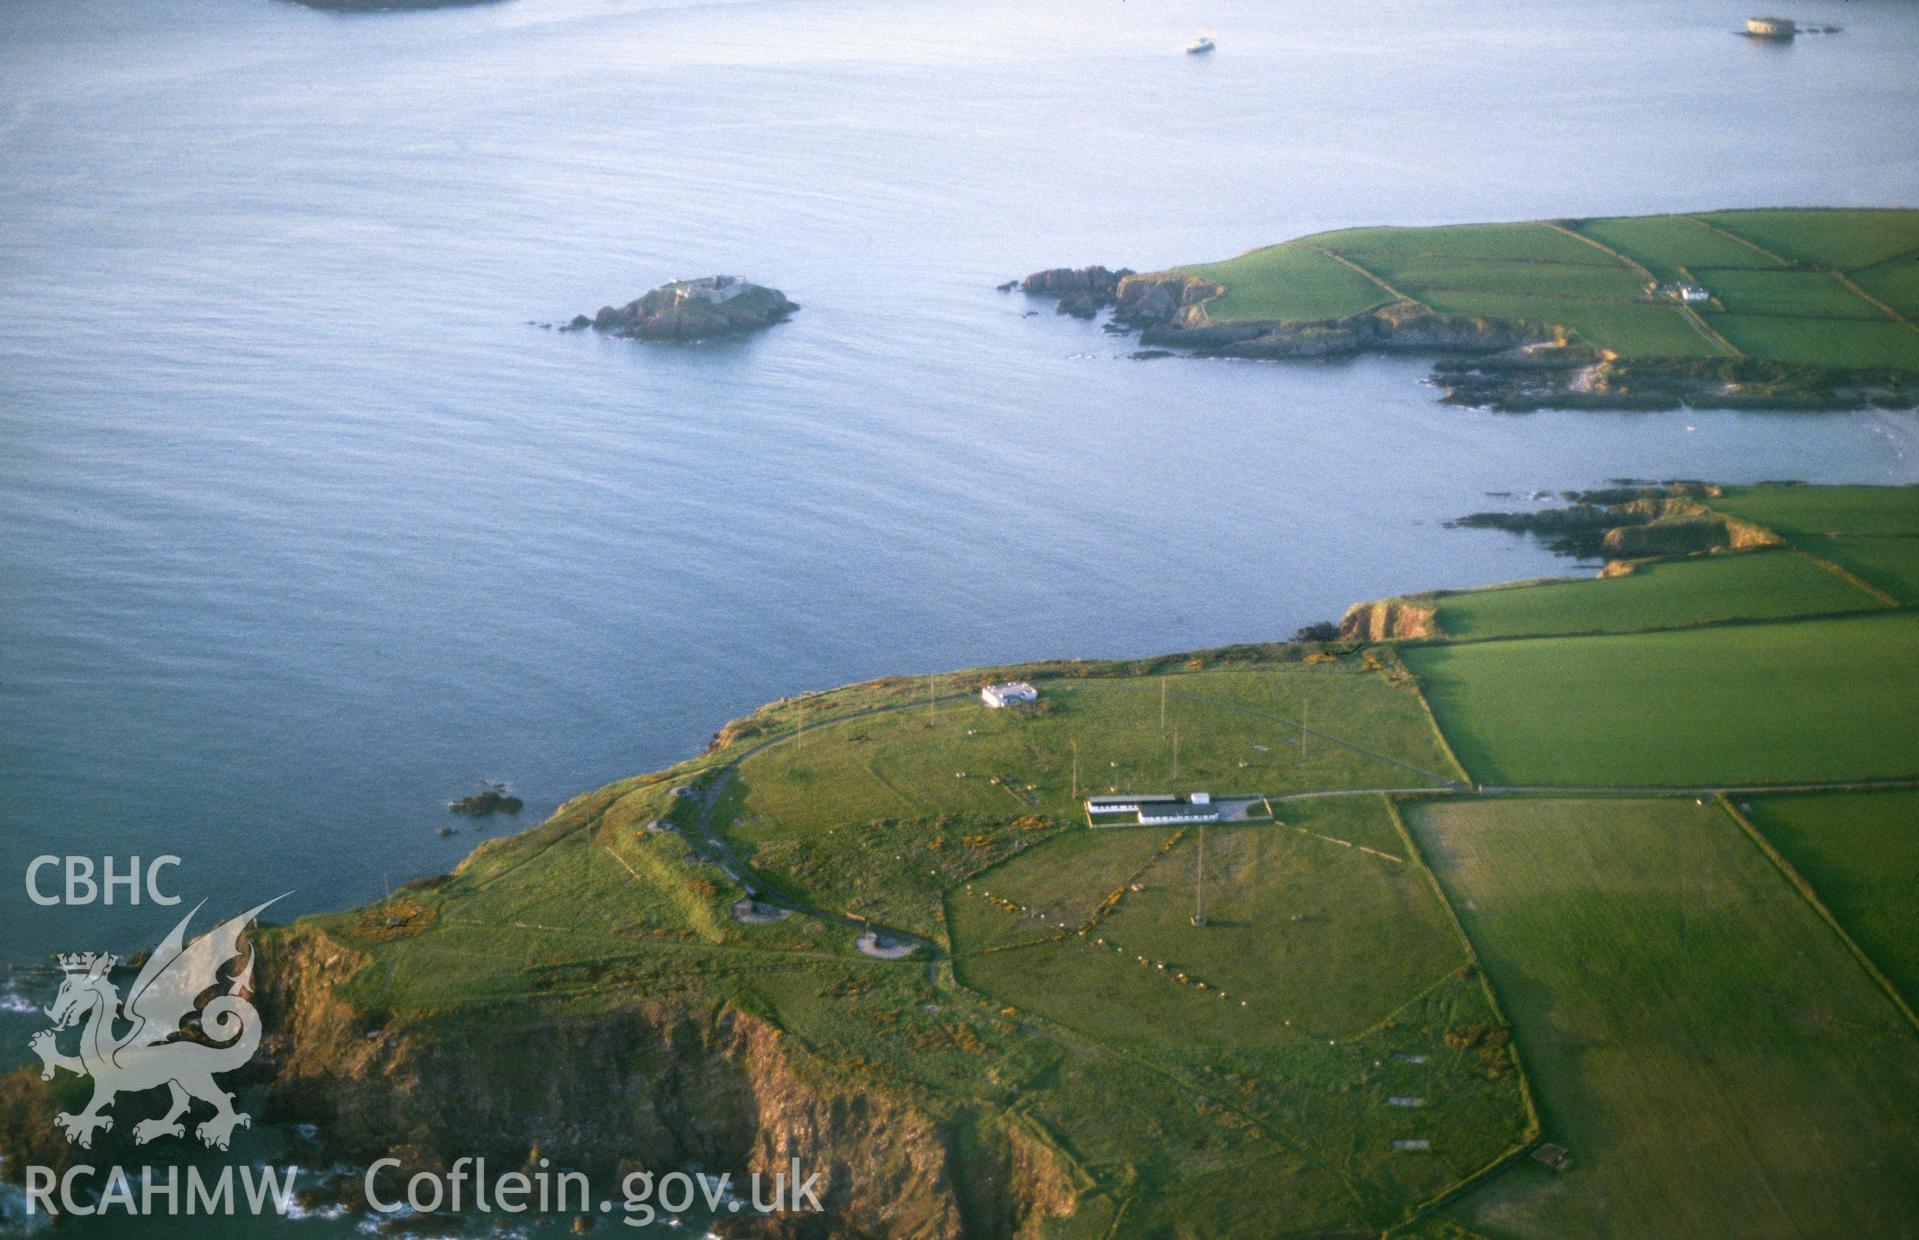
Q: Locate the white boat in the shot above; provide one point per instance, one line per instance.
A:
(1202, 42)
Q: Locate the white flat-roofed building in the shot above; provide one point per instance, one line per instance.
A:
(1126, 802)
(1159, 809)
(714, 288)
(1007, 694)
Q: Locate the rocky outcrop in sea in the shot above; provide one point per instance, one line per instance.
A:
(685, 310)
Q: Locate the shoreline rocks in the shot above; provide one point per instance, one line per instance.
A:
(492, 798)
(1507, 365)
(1081, 292)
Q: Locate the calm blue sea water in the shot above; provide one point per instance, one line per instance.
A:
(305, 531)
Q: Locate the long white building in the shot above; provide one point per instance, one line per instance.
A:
(1155, 809)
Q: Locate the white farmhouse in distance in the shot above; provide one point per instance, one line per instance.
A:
(1693, 292)
(1012, 691)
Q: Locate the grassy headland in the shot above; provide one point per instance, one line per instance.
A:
(1774, 308)
(1356, 1010)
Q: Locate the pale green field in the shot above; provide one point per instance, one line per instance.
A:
(1523, 241)
(1714, 1060)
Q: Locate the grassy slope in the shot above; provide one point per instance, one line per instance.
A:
(880, 820)
(1291, 282)
(1773, 275)
(1285, 980)
(1861, 854)
(1216, 1129)
(1701, 1042)
(1757, 585)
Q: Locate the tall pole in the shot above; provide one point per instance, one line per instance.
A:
(1076, 772)
(1162, 705)
(1199, 880)
(1176, 752)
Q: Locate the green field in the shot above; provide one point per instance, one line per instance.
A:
(1290, 913)
(1794, 510)
(1821, 342)
(1745, 704)
(1669, 245)
(1528, 241)
(1844, 239)
(1595, 276)
(1706, 1049)
(880, 816)
(1668, 594)
(1790, 294)
(1888, 564)
(1774, 277)
(1289, 282)
(1895, 282)
(1860, 852)
(1644, 329)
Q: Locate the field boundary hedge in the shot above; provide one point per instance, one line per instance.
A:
(1805, 889)
(1534, 1127)
(1849, 577)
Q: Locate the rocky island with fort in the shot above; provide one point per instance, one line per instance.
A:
(1760, 309)
(706, 308)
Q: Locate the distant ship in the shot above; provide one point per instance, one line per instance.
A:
(1201, 43)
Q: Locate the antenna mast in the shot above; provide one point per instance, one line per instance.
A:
(1199, 880)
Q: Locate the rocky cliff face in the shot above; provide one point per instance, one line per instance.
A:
(1169, 308)
(1383, 621)
(654, 1085)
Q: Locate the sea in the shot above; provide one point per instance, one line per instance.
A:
(307, 526)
